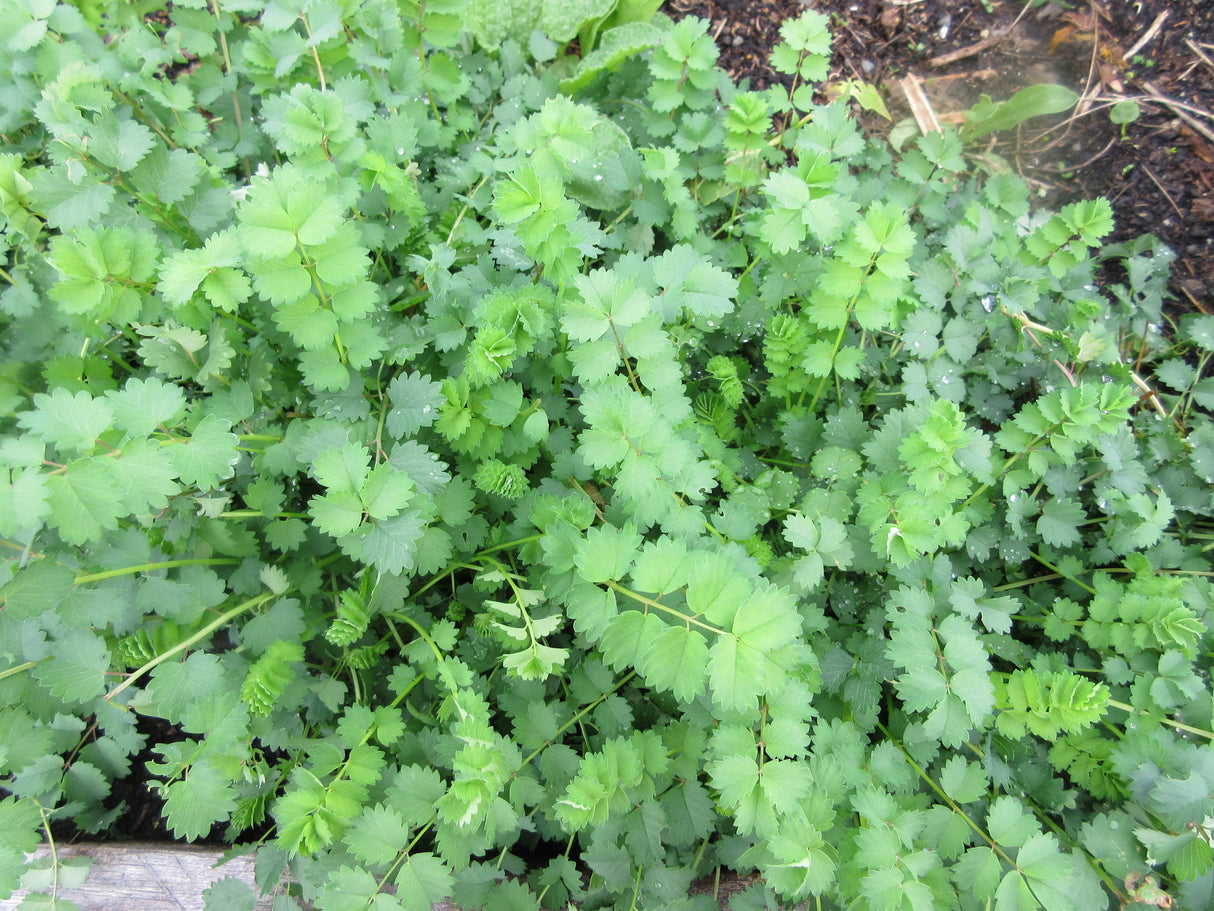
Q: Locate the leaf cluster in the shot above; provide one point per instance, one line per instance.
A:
(524, 478)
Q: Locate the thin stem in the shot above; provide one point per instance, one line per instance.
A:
(1179, 725)
(186, 643)
(1050, 566)
(579, 716)
(438, 655)
(50, 841)
(149, 567)
(952, 804)
(8, 672)
(658, 605)
(320, 70)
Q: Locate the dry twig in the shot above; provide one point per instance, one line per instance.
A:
(1166, 194)
(920, 106)
(1200, 53)
(1147, 35)
(976, 48)
(1178, 108)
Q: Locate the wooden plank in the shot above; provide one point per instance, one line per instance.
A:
(140, 876)
(163, 876)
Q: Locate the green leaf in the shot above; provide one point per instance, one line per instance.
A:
(390, 544)
(963, 781)
(208, 457)
(354, 889)
(692, 285)
(285, 209)
(24, 500)
(1034, 101)
(141, 406)
(336, 513)
(414, 792)
(39, 587)
(177, 685)
(69, 205)
(20, 829)
(736, 674)
(607, 552)
(85, 500)
(492, 23)
(1059, 522)
(609, 301)
(677, 660)
(1008, 824)
(119, 144)
(423, 881)
(377, 835)
(229, 894)
(199, 801)
(169, 176)
(563, 20)
(68, 421)
(979, 870)
(416, 400)
(147, 477)
(615, 46)
(628, 638)
(385, 492)
(767, 620)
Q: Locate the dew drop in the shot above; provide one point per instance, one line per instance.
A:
(400, 152)
(425, 409)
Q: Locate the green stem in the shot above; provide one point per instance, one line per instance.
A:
(438, 655)
(50, 841)
(8, 672)
(658, 605)
(186, 643)
(149, 567)
(1179, 725)
(579, 716)
(949, 802)
(1050, 566)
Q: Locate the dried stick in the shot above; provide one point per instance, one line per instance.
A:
(1200, 53)
(977, 48)
(1147, 35)
(920, 106)
(1176, 108)
(1166, 194)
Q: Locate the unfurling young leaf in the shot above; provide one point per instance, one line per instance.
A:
(269, 676)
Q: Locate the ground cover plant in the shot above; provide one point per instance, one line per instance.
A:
(527, 477)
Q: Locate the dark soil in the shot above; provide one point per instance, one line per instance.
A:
(1159, 176)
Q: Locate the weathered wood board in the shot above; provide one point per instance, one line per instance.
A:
(152, 876)
(140, 876)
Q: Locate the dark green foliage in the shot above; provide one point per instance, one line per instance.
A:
(531, 480)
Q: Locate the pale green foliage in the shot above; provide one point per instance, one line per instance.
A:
(535, 481)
